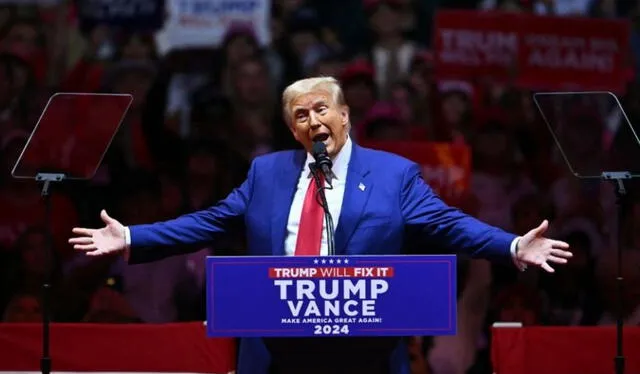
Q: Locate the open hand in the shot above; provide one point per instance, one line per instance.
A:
(97, 242)
(535, 249)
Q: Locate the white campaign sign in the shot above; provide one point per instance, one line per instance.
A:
(203, 23)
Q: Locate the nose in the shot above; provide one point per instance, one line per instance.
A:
(314, 121)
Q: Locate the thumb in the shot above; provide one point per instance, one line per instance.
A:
(105, 218)
(541, 229)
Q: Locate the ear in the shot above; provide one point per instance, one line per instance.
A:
(292, 128)
(344, 115)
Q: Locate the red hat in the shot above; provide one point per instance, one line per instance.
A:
(379, 111)
(36, 60)
(357, 69)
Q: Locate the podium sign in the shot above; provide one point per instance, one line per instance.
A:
(331, 296)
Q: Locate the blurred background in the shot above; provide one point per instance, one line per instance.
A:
(447, 83)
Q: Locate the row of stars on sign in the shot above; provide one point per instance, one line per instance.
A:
(331, 261)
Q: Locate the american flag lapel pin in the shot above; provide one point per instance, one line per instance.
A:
(361, 187)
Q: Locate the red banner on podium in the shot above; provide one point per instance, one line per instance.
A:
(551, 53)
(446, 167)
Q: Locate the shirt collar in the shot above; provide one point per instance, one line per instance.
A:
(340, 162)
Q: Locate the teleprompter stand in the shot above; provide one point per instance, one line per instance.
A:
(622, 206)
(594, 137)
(68, 143)
(47, 178)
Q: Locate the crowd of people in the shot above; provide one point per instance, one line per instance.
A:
(199, 116)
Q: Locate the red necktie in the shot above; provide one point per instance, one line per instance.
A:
(310, 229)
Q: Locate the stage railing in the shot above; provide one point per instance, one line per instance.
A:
(561, 350)
(122, 348)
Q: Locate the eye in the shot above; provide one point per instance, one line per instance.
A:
(300, 115)
(322, 110)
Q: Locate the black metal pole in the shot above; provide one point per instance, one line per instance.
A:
(45, 362)
(621, 201)
(328, 219)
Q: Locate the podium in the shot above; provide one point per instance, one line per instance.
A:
(323, 306)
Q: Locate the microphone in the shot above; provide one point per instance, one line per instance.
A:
(323, 162)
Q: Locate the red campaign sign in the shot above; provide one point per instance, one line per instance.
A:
(542, 52)
(446, 167)
(330, 272)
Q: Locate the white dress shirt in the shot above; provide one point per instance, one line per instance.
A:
(334, 198)
(334, 201)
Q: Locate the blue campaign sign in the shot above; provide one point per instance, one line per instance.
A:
(331, 296)
(133, 15)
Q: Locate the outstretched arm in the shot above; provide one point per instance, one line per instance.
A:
(198, 227)
(188, 230)
(451, 228)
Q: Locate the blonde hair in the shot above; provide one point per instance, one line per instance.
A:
(308, 85)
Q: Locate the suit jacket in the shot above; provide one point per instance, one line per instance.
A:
(396, 212)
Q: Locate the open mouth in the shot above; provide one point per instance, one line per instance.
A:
(320, 137)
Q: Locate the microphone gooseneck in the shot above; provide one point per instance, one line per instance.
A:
(323, 164)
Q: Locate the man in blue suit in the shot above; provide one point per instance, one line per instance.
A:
(380, 203)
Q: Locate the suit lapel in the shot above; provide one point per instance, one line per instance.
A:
(357, 191)
(284, 189)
